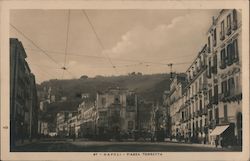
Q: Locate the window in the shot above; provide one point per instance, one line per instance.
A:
(225, 113)
(209, 68)
(214, 37)
(200, 84)
(210, 115)
(200, 104)
(196, 88)
(210, 95)
(231, 86)
(234, 19)
(229, 22)
(224, 88)
(217, 115)
(230, 54)
(208, 43)
(237, 83)
(235, 50)
(216, 94)
(215, 64)
(223, 59)
(222, 34)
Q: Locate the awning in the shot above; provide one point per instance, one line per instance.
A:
(219, 130)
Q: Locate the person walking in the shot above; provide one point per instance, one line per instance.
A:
(216, 141)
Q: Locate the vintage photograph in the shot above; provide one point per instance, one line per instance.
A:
(125, 80)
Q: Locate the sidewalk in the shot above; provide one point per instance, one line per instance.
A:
(26, 142)
(204, 145)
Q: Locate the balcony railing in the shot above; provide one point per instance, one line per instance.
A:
(232, 95)
(223, 65)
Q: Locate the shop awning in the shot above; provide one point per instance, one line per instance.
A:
(219, 130)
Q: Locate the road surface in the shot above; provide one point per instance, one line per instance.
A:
(107, 146)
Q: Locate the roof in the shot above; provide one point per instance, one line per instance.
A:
(64, 106)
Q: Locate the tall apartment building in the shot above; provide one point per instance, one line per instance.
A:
(174, 105)
(224, 39)
(194, 109)
(23, 96)
(211, 105)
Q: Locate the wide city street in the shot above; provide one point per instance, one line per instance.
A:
(107, 146)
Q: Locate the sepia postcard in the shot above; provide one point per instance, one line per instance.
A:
(124, 80)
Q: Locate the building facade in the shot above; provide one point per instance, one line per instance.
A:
(210, 109)
(116, 111)
(23, 96)
(226, 91)
(194, 114)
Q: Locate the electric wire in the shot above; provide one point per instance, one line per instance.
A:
(97, 37)
(37, 46)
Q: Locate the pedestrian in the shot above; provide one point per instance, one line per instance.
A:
(216, 141)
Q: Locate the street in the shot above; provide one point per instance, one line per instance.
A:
(106, 146)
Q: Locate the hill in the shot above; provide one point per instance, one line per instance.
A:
(149, 87)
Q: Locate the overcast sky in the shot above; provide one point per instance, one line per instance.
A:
(134, 40)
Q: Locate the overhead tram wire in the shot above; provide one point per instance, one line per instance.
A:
(37, 46)
(98, 39)
(100, 57)
(27, 38)
(66, 47)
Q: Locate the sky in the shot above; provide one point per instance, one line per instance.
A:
(109, 42)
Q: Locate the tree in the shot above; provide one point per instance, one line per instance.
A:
(84, 77)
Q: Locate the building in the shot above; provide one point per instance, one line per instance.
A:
(72, 123)
(194, 111)
(43, 128)
(225, 115)
(158, 123)
(174, 106)
(62, 126)
(23, 96)
(86, 124)
(116, 112)
(210, 107)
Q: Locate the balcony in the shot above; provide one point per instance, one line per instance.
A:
(232, 95)
(223, 65)
(222, 36)
(228, 30)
